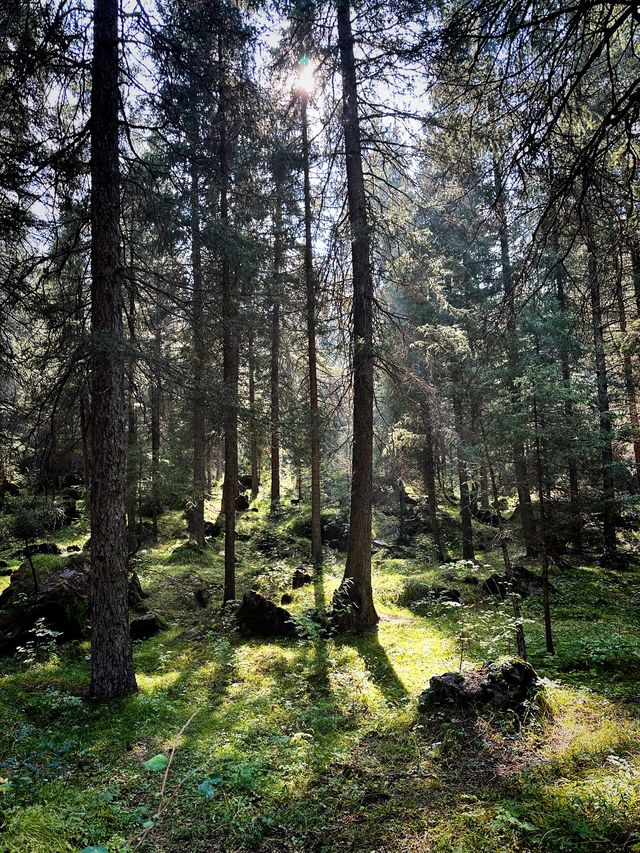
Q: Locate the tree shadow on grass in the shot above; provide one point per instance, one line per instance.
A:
(379, 666)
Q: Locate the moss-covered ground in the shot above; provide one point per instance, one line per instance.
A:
(315, 744)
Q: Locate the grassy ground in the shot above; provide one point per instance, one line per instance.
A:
(315, 744)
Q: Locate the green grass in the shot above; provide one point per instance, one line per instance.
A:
(315, 744)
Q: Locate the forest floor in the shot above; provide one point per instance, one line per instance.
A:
(316, 744)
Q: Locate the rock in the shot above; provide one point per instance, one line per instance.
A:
(212, 529)
(242, 503)
(301, 577)
(254, 509)
(471, 580)
(259, 617)
(525, 582)
(294, 501)
(286, 598)
(335, 535)
(136, 594)
(73, 549)
(144, 627)
(244, 482)
(202, 596)
(506, 684)
(62, 601)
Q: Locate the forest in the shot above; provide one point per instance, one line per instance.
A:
(319, 426)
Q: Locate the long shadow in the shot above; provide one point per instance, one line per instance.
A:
(378, 664)
(321, 686)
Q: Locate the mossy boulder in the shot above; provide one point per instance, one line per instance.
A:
(507, 684)
(62, 599)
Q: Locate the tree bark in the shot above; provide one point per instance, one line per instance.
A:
(132, 427)
(199, 357)
(314, 415)
(353, 602)
(275, 344)
(546, 597)
(513, 361)
(112, 672)
(253, 433)
(155, 434)
(630, 387)
(604, 412)
(468, 552)
(572, 464)
(429, 478)
(230, 358)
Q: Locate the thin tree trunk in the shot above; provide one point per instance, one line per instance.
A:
(521, 643)
(546, 597)
(230, 362)
(155, 435)
(275, 345)
(314, 415)
(429, 478)
(199, 359)
(468, 552)
(84, 433)
(353, 602)
(605, 426)
(253, 435)
(112, 672)
(572, 464)
(630, 386)
(513, 361)
(132, 427)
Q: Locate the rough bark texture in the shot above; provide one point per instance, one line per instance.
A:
(429, 479)
(463, 481)
(513, 360)
(630, 386)
(199, 359)
(353, 602)
(275, 346)
(560, 274)
(546, 599)
(253, 431)
(132, 426)
(155, 435)
(112, 672)
(230, 363)
(608, 484)
(314, 415)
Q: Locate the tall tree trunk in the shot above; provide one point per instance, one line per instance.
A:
(572, 464)
(429, 477)
(546, 597)
(314, 415)
(112, 672)
(521, 643)
(463, 481)
(229, 358)
(84, 434)
(630, 386)
(275, 344)
(604, 412)
(513, 362)
(199, 357)
(132, 427)
(353, 601)
(253, 433)
(155, 433)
